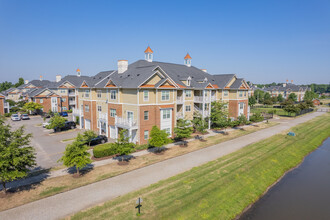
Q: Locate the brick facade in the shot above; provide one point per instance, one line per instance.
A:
(2, 106)
(47, 103)
(91, 114)
(234, 109)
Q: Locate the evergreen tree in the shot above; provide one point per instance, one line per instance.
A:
(16, 156)
(280, 98)
(76, 154)
(20, 82)
(123, 145)
(158, 138)
(219, 114)
(183, 129)
(293, 96)
(199, 123)
(252, 101)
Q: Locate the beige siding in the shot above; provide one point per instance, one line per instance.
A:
(231, 82)
(159, 96)
(189, 115)
(189, 98)
(129, 96)
(233, 94)
(153, 80)
(132, 108)
(152, 96)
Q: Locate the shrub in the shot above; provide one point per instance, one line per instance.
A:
(242, 120)
(77, 120)
(142, 147)
(105, 150)
(69, 111)
(234, 123)
(158, 138)
(273, 111)
(256, 117)
(8, 114)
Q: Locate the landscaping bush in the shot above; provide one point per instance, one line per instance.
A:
(8, 114)
(105, 150)
(77, 120)
(241, 120)
(142, 147)
(69, 111)
(256, 117)
(234, 123)
(273, 111)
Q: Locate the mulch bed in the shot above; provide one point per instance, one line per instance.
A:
(5, 195)
(76, 175)
(123, 163)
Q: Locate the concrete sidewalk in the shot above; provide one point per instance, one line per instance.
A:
(63, 204)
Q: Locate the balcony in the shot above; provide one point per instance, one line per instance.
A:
(179, 99)
(200, 111)
(179, 115)
(6, 105)
(72, 102)
(103, 116)
(77, 112)
(213, 98)
(72, 94)
(200, 99)
(125, 123)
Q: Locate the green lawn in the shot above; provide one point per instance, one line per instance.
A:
(279, 111)
(220, 189)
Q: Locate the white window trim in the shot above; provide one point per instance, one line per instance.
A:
(167, 91)
(145, 115)
(144, 98)
(144, 135)
(113, 92)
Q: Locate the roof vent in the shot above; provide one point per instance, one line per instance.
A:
(204, 70)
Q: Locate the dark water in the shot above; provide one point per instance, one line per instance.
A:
(304, 193)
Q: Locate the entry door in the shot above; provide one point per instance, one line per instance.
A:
(112, 132)
(130, 116)
(87, 124)
(241, 108)
(133, 138)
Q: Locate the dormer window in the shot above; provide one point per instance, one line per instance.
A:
(205, 80)
(188, 81)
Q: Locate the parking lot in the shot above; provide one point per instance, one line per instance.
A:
(47, 144)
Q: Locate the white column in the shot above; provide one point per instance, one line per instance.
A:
(203, 107)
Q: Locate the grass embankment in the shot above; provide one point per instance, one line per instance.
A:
(60, 184)
(279, 111)
(223, 188)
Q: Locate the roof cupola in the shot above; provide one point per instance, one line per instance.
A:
(187, 60)
(148, 54)
(78, 72)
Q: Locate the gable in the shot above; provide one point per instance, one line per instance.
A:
(167, 84)
(44, 93)
(30, 86)
(110, 84)
(66, 85)
(209, 86)
(231, 82)
(84, 85)
(153, 80)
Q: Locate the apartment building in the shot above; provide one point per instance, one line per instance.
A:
(286, 89)
(47, 98)
(147, 93)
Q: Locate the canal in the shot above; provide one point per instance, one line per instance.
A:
(303, 193)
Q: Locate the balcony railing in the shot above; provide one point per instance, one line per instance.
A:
(77, 112)
(126, 123)
(213, 98)
(179, 115)
(200, 111)
(72, 94)
(103, 116)
(72, 102)
(201, 99)
(179, 99)
(6, 105)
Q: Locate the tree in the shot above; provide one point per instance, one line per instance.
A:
(267, 96)
(183, 129)
(56, 122)
(5, 85)
(199, 123)
(32, 106)
(280, 98)
(309, 95)
(291, 109)
(219, 114)
(16, 156)
(158, 138)
(268, 102)
(123, 145)
(88, 136)
(252, 101)
(293, 97)
(76, 154)
(20, 82)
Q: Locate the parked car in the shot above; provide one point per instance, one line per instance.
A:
(101, 139)
(25, 117)
(68, 125)
(45, 115)
(15, 117)
(64, 114)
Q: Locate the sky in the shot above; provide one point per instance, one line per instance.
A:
(261, 41)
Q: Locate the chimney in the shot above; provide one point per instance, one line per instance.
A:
(187, 60)
(26, 81)
(78, 72)
(40, 78)
(284, 84)
(204, 70)
(58, 78)
(122, 66)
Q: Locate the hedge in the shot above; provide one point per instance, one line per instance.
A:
(105, 150)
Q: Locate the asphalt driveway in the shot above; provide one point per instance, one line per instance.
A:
(48, 146)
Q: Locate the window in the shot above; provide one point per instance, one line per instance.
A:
(113, 113)
(188, 93)
(225, 93)
(41, 101)
(113, 94)
(165, 95)
(64, 108)
(99, 93)
(245, 93)
(63, 91)
(87, 93)
(146, 115)
(146, 135)
(188, 108)
(86, 108)
(99, 108)
(188, 82)
(145, 95)
(63, 99)
(240, 94)
(166, 114)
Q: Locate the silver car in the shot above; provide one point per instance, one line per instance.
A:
(15, 117)
(25, 117)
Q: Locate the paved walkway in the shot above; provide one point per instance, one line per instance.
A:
(63, 204)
